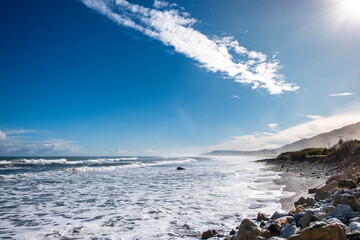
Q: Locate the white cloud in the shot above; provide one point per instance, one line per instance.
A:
(235, 96)
(2, 135)
(20, 131)
(308, 129)
(47, 147)
(175, 28)
(160, 4)
(313, 116)
(273, 126)
(145, 152)
(341, 94)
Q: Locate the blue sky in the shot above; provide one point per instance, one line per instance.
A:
(149, 77)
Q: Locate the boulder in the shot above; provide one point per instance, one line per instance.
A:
(333, 220)
(208, 234)
(261, 217)
(289, 219)
(355, 219)
(346, 183)
(287, 231)
(346, 199)
(249, 231)
(312, 190)
(299, 208)
(310, 202)
(320, 215)
(341, 212)
(328, 209)
(301, 201)
(324, 231)
(336, 178)
(274, 228)
(330, 186)
(353, 236)
(308, 218)
(180, 168)
(298, 217)
(354, 227)
(277, 215)
(321, 195)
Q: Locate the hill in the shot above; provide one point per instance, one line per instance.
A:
(324, 140)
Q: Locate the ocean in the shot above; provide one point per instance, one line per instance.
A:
(131, 197)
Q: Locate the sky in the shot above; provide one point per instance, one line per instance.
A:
(121, 77)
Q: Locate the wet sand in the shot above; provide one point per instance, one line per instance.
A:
(298, 177)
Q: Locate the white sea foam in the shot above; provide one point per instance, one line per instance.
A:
(150, 200)
(39, 161)
(131, 165)
(42, 161)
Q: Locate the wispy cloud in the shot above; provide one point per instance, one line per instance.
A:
(2, 135)
(174, 27)
(20, 131)
(11, 147)
(160, 4)
(313, 116)
(305, 130)
(235, 96)
(145, 152)
(341, 94)
(273, 126)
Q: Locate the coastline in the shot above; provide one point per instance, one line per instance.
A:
(297, 178)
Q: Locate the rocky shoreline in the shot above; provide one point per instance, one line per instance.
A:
(327, 205)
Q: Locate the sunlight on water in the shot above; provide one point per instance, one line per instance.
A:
(142, 199)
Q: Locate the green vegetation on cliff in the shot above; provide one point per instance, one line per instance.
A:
(344, 152)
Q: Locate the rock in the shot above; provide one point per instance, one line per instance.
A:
(341, 212)
(308, 218)
(260, 238)
(249, 231)
(261, 217)
(299, 208)
(332, 231)
(321, 195)
(346, 199)
(232, 232)
(274, 228)
(355, 219)
(330, 186)
(301, 201)
(180, 168)
(289, 219)
(277, 215)
(333, 220)
(312, 190)
(353, 236)
(310, 202)
(298, 217)
(287, 231)
(346, 183)
(230, 238)
(354, 226)
(336, 178)
(328, 209)
(208, 234)
(320, 215)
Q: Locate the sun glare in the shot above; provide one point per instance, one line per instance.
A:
(350, 9)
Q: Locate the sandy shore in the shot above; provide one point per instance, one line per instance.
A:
(298, 178)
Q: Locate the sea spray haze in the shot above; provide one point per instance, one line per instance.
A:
(131, 197)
